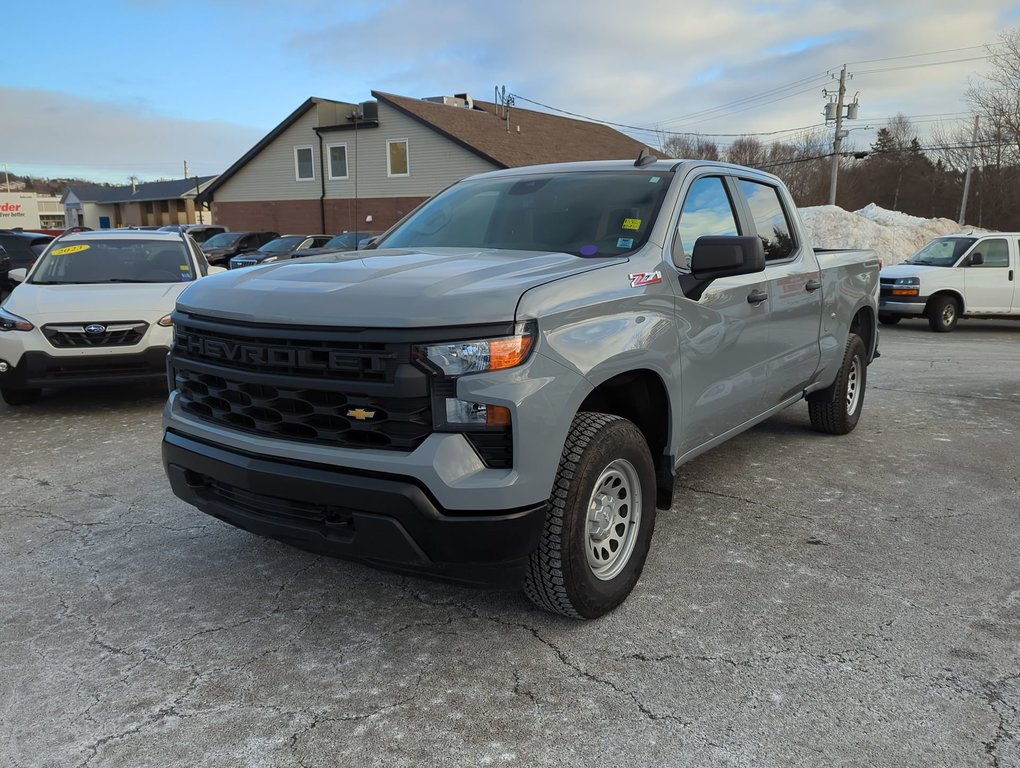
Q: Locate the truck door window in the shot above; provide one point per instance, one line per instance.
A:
(707, 210)
(995, 252)
(770, 219)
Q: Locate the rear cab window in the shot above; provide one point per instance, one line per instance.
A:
(771, 222)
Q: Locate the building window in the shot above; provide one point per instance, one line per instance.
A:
(337, 154)
(396, 158)
(304, 167)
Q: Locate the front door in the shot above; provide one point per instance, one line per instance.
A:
(724, 334)
(989, 285)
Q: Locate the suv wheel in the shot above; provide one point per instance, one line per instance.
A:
(13, 396)
(600, 520)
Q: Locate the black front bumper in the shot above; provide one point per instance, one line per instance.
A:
(38, 369)
(388, 521)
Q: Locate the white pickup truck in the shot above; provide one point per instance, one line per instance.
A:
(965, 275)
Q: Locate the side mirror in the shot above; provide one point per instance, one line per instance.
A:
(368, 242)
(18, 275)
(977, 259)
(217, 270)
(726, 256)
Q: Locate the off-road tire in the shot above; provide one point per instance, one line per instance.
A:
(559, 577)
(13, 396)
(943, 312)
(836, 409)
(889, 319)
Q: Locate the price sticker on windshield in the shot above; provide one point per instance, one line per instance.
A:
(69, 249)
(632, 224)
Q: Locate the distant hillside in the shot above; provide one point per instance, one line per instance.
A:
(53, 187)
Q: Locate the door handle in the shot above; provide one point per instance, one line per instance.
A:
(812, 285)
(757, 296)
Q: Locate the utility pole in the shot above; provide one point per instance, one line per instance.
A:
(838, 140)
(7, 179)
(970, 166)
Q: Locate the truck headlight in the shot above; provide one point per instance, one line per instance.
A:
(458, 358)
(12, 322)
(908, 281)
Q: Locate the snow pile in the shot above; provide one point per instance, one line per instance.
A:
(894, 236)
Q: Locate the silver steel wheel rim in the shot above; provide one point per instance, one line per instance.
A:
(614, 519)
(948, 313)
(853, 387)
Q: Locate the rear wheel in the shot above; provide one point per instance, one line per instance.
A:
(889, 319)
(836, 409)
(599, 525)
(943, 312)
(13, 396)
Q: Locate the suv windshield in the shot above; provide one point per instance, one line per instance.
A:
(222, 240)
(587, 213)
(944, 252)
(281, 244)
(114, 261)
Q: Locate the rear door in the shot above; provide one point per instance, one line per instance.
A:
(723, 335)
(794, 285)
(989, 285)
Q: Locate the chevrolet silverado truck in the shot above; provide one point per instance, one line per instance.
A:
(965, 275)
(502, 391)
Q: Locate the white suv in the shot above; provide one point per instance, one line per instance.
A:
(94, 308)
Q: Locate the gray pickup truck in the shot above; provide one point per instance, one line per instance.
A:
(502, 391)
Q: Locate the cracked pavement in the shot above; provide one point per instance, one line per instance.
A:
(808, 601)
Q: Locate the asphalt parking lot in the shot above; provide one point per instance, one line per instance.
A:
(808, 601)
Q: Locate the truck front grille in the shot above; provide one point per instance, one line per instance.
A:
(326, 387)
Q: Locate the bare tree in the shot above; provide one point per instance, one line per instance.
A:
(690, 147)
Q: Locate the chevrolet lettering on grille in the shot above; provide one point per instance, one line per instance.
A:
(260, 354)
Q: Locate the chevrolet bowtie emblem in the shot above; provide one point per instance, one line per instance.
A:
(361, 414)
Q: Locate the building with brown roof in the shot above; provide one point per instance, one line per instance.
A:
(333, 166)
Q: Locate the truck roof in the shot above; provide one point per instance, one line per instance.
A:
(663, 166)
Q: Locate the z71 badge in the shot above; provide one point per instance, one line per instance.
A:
(645, 278)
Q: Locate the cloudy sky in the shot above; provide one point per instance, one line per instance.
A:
(105, 90)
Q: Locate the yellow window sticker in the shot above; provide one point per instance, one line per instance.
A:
(69, 249)
(632, 223)
(185, 268)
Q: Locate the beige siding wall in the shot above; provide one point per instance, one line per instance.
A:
(434, 162)
(270, 175)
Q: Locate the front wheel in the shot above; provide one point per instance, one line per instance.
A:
(943, 312)
(836, 409)
(599, 525)
(13, 396)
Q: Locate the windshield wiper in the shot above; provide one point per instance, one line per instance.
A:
(129, 280)
(57, 282)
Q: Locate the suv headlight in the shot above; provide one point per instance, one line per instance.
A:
(458, 358)
(12, 322)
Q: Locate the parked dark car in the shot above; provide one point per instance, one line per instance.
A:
(347, 241)
(285, 247)
(200, 232)
(22, 248)
(219, 248)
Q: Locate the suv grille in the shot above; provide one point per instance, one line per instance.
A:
(238, 262)
(317, 386)
(95, 334)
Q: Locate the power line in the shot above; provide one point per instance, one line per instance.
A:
(920, 66)
(929, 53)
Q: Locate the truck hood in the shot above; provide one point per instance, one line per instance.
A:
(385, 288)
(911, 270)
(100, 302)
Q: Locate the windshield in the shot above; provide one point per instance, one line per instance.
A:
(201, 235)
(114, 261)
(222, 240)
(348, 240)
(282, 244)
(944, 252)
(587, 213)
